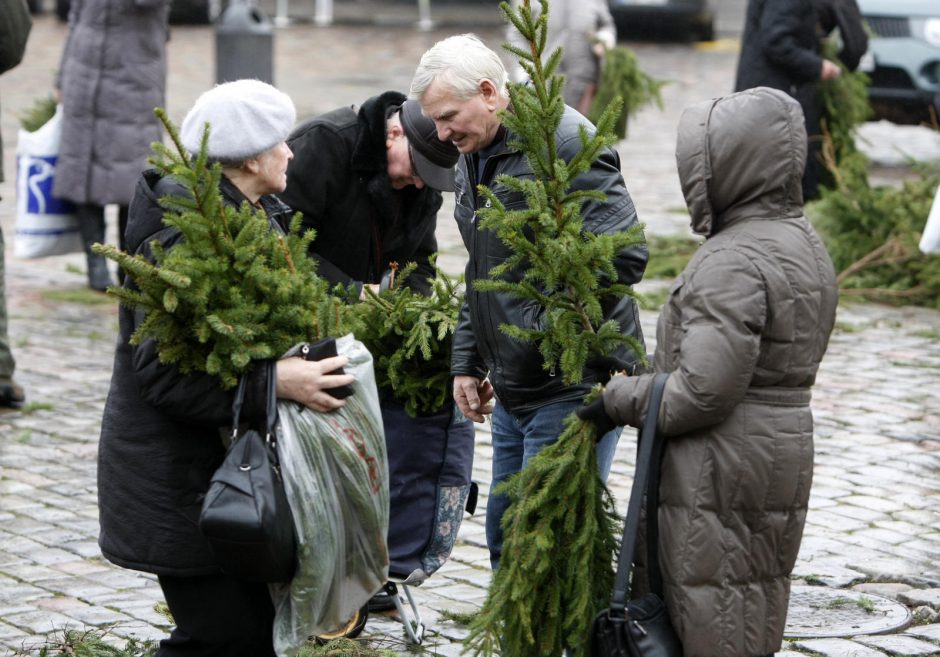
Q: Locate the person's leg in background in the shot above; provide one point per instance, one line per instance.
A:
(11, 395)
(218, 616)
(92, 225)
(519, 437)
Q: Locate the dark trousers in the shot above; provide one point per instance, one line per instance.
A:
(217, 616)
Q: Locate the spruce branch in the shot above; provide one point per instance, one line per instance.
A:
(565, 270)
(410, 338)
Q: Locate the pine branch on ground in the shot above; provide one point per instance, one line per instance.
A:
(561, 529)
(233, 290)
(871, 232)
(92, 642)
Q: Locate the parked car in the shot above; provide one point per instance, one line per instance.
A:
(903, 59)
(692, 19)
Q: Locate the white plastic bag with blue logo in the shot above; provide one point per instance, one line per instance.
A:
(45, 225)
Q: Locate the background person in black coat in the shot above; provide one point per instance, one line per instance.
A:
(781, 48)
(369, 182)
(161, 435)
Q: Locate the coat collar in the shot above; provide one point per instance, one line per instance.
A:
(369, 153)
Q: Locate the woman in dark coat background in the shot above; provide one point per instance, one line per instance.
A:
(742, 334)
(781, 48)
(161, 435)
(111, 76)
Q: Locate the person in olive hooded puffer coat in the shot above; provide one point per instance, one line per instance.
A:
(742, 334)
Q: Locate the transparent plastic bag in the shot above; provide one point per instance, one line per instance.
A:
(336, 478)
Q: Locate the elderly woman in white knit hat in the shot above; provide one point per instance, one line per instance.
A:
(157, 450)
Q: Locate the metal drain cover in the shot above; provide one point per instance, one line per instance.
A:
(821, 612)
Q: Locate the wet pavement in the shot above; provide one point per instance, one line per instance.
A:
(874, 522)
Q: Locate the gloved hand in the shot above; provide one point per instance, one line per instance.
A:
(604, 366)
(597, 415)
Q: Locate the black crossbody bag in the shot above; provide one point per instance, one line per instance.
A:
(640, 627)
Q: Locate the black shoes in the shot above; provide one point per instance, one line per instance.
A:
(11, 395)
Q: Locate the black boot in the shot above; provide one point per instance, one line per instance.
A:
(11, 395)
(91, 223)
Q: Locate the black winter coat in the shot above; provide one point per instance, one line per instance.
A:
(339, 180)
(780, 49)
(161, 435)
(481, 349)
(780, 46)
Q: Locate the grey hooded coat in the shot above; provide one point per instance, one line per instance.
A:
(112, 76)
(742, 333)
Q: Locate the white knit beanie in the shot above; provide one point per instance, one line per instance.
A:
(245, 117)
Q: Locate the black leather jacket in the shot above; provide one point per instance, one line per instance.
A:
(481, 349)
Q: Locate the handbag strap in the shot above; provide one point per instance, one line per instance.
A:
(644, 464)
(270, 404)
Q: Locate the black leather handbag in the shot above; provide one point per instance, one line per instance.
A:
(245, 514)
(640, 627)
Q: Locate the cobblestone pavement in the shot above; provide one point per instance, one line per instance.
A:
(874, 523)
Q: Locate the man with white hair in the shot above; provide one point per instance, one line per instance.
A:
(461, 85)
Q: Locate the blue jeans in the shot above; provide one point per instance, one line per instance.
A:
(517, 437)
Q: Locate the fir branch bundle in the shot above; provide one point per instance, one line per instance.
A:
(410, 338)
(622, 76)
(232, 290)
(561, 529)
(565, 270)
(38, 114)
(561, 535)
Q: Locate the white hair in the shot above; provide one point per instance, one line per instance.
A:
(462, 62)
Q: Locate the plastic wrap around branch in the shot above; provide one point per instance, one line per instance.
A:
(336, 478)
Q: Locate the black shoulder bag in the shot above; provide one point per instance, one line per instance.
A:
(641, 627)
(245, 515)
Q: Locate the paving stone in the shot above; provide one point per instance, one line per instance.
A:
(827, 573)
(886, 589)
(931, 632)
(838, 648)
(899, 644)
(929, 597)
(41, 622)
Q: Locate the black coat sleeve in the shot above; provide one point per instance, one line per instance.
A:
(786, 38)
